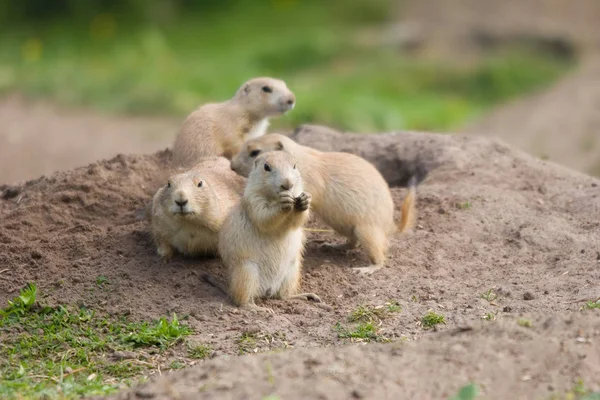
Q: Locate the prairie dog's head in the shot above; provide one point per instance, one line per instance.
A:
(275, 172)
(186, 196)
(266, 97)
(243, 162)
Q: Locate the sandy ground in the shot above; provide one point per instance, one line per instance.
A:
(491, 217)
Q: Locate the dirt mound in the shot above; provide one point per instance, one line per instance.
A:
(490, 218)
(511, 361)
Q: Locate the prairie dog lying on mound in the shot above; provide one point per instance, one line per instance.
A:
(262, 242)
(348, 194)
(220, 129)
(189, 210)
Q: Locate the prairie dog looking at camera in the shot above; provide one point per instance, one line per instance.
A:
(348, 194)
(262, 242)
(188, 211)
(220, 129)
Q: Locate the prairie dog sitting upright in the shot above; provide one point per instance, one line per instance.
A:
(262, 242)
(188, 211)
(220, 129)
(348, 193)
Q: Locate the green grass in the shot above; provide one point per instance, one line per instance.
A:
(591, 305)
(199, 351)
(490, 295)
(464, 206)
(365, 313)
(432, 319)
(525, 323)
(321, 49)
(467, 392)
(489, 317)
(578, 392)
(363, 332)
(67, 352)
(246, 343)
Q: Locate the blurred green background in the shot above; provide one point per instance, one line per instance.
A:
(169, 56)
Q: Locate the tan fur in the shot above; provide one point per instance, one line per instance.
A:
(262, 242)
(220, 129)
(348, 194)
(196, 231)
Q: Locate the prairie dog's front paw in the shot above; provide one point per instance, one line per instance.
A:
(303, 201)
(286, 199)
(165, 251)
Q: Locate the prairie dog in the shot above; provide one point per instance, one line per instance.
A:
(348, 193)
(189, 210)
(262, 242)
(220, 129)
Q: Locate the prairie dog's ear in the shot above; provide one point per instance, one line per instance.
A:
(279, 145)
(246, 88)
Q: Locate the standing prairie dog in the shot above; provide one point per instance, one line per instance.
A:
(348, 193)
(262, 242)
(220, 129)
(189, 210)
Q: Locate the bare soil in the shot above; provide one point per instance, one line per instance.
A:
(491, 217)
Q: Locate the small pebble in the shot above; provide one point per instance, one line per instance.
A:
(528, 296)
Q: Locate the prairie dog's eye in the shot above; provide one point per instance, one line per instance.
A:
(200, 184)
(267, 89)
(294, 166)
(254, 153)
(168, 184)
(267, 168)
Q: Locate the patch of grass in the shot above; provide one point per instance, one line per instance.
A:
(489, 317)
(102, 280)
(23, 303)
(464, 206)
(316, 47)
(577, 392)
(490, 295)
(393, 306)
(65, 352)
(591, 305)
(363, 332)
(163, 334)
(525, 323)
(177, 364)
(198, 351)
(366, 313)
(247, 343)
(467, 392)
(432, 319)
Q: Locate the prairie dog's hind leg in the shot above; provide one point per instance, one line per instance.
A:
(375, 242)
(244, 284)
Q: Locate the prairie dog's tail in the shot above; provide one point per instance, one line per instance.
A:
(409, 209)
(409, 205)
(216, 283)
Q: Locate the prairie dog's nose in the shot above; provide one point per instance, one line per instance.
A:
(181, 203)
(291, 99)
(287, 184)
